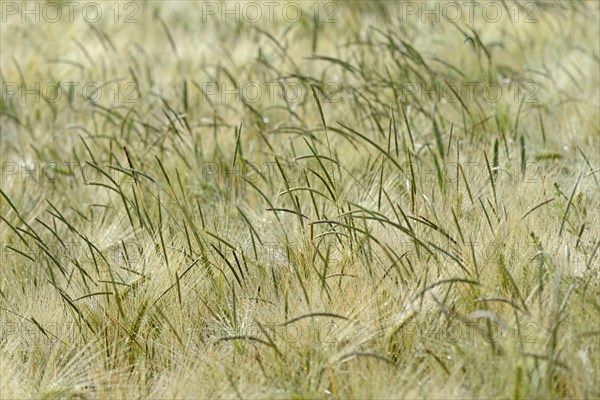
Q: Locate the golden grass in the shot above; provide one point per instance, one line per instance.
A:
(171, 240)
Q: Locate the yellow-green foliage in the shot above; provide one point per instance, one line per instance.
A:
(348, 200)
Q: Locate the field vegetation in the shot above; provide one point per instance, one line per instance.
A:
(345, 199)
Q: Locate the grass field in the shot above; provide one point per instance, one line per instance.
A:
(343, 199)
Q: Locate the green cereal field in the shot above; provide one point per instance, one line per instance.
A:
(300, 199)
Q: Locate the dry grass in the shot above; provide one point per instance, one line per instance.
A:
(172, 240)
